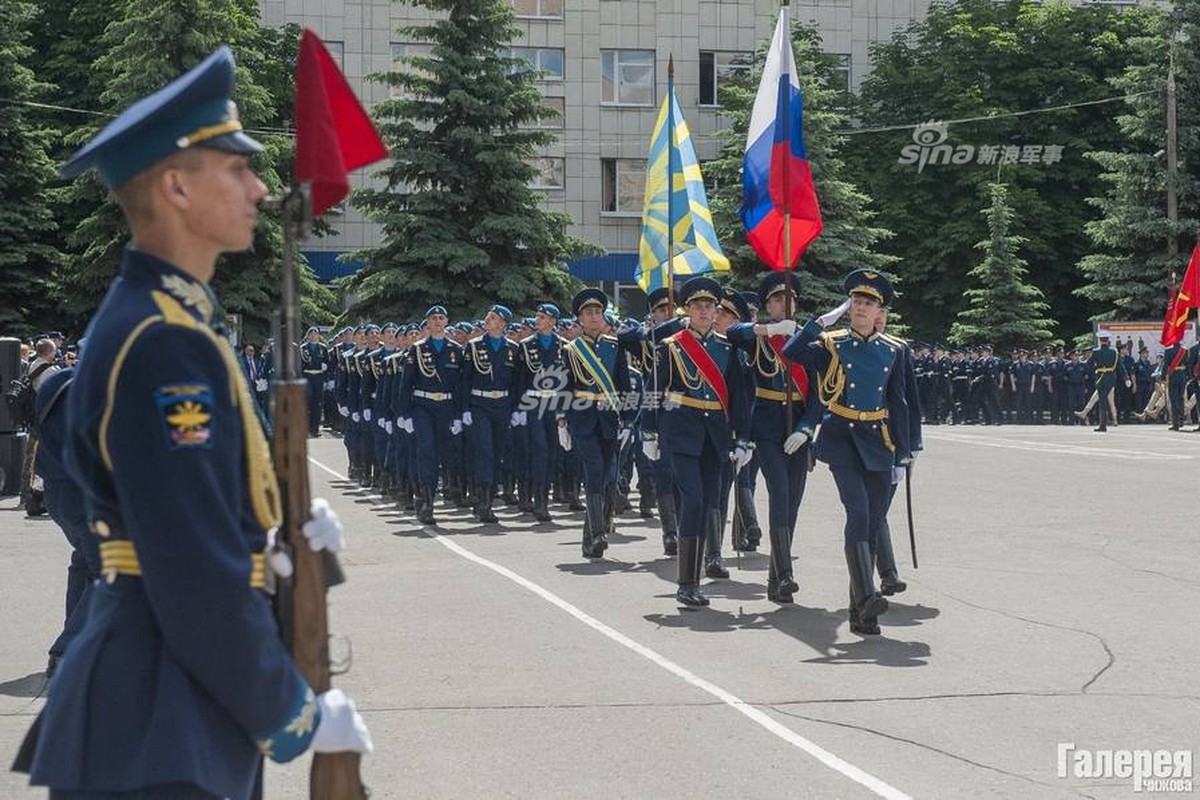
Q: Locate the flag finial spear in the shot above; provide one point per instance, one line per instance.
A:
(671, 66)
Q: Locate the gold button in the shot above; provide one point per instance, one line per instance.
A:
(100, 528)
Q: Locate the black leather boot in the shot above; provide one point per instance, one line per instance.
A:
(780, 584)
(713, 534)
(595, 539)
(425, 506)
(691, 551)
(645, 499)
(885, 562)
(525, 496)
(670, 523)
(483, 504)
(858, 625)
(748, 515)
(541, 511)
(867, 604)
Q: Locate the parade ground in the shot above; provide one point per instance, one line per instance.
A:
(1052, 620)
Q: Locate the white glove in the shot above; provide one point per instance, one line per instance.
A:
(345, 412)
(830, 317)
(466, 418)
(367, 414)
(650, 448)
(517, 419)
(456, 427)
(329, 385)
(408, 425)
(795, 441)
(784, 327)
(260, 385)
(341, 727)
(355, 417)
(741, 456)
(897, 475)
(324, 530)
(387, 426)
(623, 436)
(382, 423)
(564, 437)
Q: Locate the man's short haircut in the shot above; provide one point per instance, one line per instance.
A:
(136, 195)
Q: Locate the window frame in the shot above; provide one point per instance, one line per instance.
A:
(615, 54)
(717, 70)
(617, 211)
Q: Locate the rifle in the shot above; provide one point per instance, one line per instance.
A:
(300, 600)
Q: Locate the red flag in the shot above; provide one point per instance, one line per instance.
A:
(1188, 298)
(1169, 334)
(334, 135)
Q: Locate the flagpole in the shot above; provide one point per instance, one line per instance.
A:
(789, 311)
(670, 181)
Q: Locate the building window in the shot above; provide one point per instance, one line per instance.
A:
(715, 68)
(337, 50)
(402, 51)
(551, 172)
(550, 60)
(840, 75)
(627, 77)
(538, 8)
(559, 106)
(624, 186)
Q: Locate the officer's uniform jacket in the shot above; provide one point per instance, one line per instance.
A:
(861, 383)
(312, 358)
(769, 388)
(1106, 365)
(592, 410)
(489, 377)
(541, 373)
(692, 410)
(432, 379)
(179, 675)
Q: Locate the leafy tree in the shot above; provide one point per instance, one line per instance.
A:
(26, 222)
(976, 58)
(1003, 308)
(460, 222)
(153, 42)
(850, 236)
(1128, 270)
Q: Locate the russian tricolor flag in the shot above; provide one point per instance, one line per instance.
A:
(776, 177)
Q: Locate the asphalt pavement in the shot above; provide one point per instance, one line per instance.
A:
(1052, 619)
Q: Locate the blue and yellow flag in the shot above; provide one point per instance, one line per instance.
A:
(680, 216)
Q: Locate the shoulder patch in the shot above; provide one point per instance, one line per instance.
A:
(186, 411)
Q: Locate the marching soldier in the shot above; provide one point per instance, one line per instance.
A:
(782, 453)
(1108, 369)
(178, 683)
(489, 404)
(312, 363)
(865, 429)
(540, 357)
(701, 425)
(598, 380)
(1175, 358)
(430, 406)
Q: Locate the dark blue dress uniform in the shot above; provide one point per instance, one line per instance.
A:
(1107, 368)
(598, 382)
(65, 504)
(489, 376)
(864, 431)
(430, 389)
(1175, 367)
(313, 356)
(179, 677)
(785, 475)
(698, 428)
(538, 380)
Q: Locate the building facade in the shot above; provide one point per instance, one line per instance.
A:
(605, 65)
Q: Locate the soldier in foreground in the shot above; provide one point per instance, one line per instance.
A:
(178, 684)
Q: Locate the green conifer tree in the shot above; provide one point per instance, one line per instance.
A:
(461, 224)
(1003, 308)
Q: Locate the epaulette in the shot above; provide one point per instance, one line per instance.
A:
(896, 340)
(841, 333)
(607, 337)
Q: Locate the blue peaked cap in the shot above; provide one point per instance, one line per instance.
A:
(192, 110)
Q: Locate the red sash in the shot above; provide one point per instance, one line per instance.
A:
(704, 362)
(1175, 361)
(799, 373)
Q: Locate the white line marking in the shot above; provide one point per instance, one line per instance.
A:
(1056, 447)
(827, 758)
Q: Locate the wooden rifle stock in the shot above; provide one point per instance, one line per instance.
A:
(300, 600)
